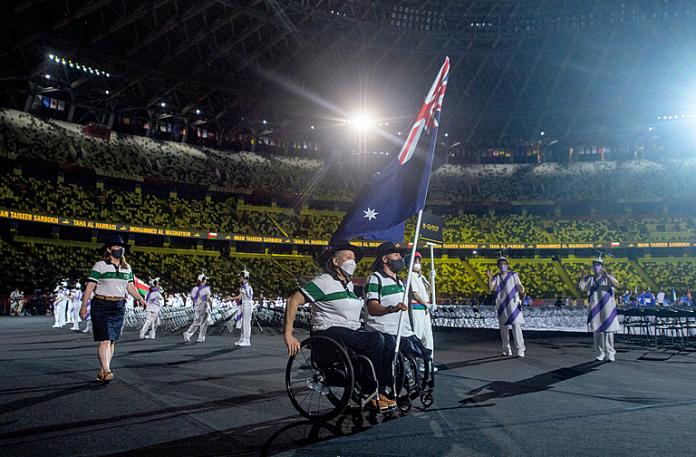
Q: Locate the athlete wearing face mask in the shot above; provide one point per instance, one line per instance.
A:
(603, 315)
(509, 294)
(336, 314)
(420, 305)
(383, 302)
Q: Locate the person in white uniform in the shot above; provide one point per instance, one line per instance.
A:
(16, 302)
(60, 303)
(200, 295)
(421, 308)
(509, 292)
(155, 301)
(75, 304)
(246, 300)
(602, 319)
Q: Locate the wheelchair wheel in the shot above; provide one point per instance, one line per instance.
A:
(319, 378)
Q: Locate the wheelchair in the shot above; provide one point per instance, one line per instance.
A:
(324, 380)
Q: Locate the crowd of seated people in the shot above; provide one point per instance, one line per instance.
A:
(40, 264)
(107, 204)
(29, 137)
(679, 273)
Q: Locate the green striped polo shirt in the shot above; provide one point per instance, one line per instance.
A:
(111, 279)
(333, 304)
(389, 292)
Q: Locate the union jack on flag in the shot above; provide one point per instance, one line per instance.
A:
(399, 190)
(426, 118)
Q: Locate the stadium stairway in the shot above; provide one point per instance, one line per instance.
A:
(563, 274)
(643, 275)
(472, 272)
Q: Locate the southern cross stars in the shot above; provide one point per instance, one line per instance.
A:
(370, 214)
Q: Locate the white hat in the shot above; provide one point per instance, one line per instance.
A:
(202, 277)
(244, 273)
(153, 280)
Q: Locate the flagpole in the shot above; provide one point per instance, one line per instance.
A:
(432, 275)
(405, 300)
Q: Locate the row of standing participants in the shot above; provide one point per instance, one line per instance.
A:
(335, 309)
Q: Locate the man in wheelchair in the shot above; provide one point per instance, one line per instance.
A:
(383, 301)
(335, 311)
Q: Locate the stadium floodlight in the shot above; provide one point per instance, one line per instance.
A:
(446, 134)
(47, 76)
(362, 121)
(107, 92)
(399, 133)
(108, 75)
(311, 127)
(63, 61)
(264, 122)
(163, 104)
(51, 56)
(542, 133)
(198, 111)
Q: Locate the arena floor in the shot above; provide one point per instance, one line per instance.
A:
(173, 399)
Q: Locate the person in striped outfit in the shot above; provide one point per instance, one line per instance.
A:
(509, 293)
(245, 298)
(202, 310)
(602, 319)
(155, 301)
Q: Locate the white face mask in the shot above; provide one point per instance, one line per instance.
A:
(349, 267)
(417, 267)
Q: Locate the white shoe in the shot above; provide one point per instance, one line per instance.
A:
(599, 359)
(75, 329)
(151, 337)
(610, 358)
(242, 343)
(520, 354)
(85, 330)
(200, 341)
(435, 369)
(187, 338)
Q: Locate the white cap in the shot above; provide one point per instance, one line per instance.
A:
(202, 277)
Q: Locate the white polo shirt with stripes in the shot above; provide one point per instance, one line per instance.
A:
(111, 279)
(333, 303)
(388, 292)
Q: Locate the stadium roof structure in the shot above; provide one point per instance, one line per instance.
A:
(572, 69)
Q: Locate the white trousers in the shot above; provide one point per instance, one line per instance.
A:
(200, 323)
(59, 313)
(88, 327)
(517, 336)
(604, 346)
(247, 314)
(75, 315)
(423, 328)
(150, 324)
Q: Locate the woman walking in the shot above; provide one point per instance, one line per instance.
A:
(111, 280)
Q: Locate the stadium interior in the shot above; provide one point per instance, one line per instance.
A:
(221, 136)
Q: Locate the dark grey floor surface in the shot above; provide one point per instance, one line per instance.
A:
(173, 399)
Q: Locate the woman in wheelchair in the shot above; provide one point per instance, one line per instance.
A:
(335, 312)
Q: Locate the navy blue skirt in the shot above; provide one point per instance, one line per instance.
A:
(107, 319)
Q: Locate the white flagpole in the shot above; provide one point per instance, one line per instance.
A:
(405, 299)
(432, 275)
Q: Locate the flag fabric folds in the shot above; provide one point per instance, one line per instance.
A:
(143, 287)
(399, 190)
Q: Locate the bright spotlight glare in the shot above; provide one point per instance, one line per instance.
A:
(362, 121)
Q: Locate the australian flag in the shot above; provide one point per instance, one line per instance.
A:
(399, 190)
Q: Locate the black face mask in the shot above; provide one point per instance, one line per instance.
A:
(396, 265)
(117, 253)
